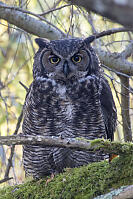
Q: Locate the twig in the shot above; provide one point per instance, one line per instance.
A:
(25, 87)
(98, 35)
(15, 74)
(9, 164)
(5, 180)
(13, 8)
(114, 71)
(112, 31)
(6, 110)
(54, 9)
(113, 10)
(78, 143)
(21, 19)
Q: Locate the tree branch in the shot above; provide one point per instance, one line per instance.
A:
(25, 87)
(28, 23)
(125, 105)
(125, 192)
(54, 9)
(112, 31)
(122, 10)
(78, 143)
(115, 61)
(41, 29)
(128, 51)
(5, 180)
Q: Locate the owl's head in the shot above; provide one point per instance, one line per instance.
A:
(65, 59)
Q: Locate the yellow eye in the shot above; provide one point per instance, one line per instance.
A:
(54, 60)
(76, 58)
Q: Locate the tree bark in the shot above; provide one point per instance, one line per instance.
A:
(125, 105)
(17, 17)
(115, 61)
(28, 23)
(125, 192)
(118, 11)
(77, 143)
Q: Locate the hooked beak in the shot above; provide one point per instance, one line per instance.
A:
(66, 69)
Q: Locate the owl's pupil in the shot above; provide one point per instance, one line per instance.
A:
(54, 60)
(76, 58)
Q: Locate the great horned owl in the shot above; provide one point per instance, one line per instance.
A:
(68, 97)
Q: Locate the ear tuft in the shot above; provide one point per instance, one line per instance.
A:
(89, 39)
(42, 42)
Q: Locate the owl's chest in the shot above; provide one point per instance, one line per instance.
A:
(66, 107)
(69, 110)
(59, 110)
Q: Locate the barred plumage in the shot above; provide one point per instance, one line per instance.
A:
(69, 97)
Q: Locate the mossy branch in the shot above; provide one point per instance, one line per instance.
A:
(85, 182)
(78, 143)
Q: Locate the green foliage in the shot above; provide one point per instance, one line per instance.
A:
(85, 182)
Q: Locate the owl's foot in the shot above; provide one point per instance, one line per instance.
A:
(112, 156)
(61, 136)
(50, 179)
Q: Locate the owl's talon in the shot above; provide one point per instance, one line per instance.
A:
(61, 136)
(68, 142)
(50, 179)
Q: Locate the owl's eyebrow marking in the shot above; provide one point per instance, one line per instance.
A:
(78, 53)
(41, 63)
(52, 53)
(44, 51)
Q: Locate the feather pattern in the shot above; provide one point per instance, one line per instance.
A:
(80, 107)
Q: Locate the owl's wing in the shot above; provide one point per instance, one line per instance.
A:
(26, 98)
(108, 109)
(37, 160)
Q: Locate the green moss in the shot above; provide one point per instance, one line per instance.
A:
(112, 147)
(85, 182)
